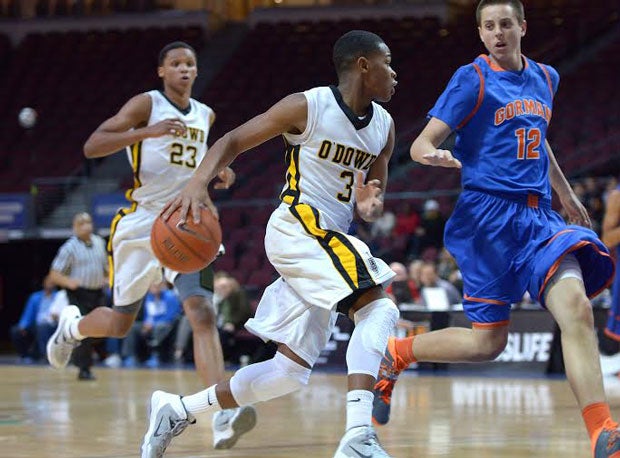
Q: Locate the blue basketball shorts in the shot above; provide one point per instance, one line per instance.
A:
(505, 246)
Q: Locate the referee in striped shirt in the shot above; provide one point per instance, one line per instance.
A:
(81, 267)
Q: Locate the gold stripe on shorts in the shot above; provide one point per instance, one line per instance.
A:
(343, 254)
(291, 194)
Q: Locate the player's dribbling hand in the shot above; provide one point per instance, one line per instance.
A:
(368, 198)
(227, 178)
(442, 158)
(576, 212)
(190, 200)
(171, 126)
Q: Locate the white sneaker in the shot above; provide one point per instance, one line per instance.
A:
(229, 425)
(167, 419)
(61, 344)
(360, 442)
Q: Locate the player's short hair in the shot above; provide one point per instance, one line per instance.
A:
(517, 6)
(353, 45)
(169, 47)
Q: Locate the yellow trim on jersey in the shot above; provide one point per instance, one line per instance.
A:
(291, 194)
(344, 256)
(117, 218)
(136, 159)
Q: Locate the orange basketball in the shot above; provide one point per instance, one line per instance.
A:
(186, 247)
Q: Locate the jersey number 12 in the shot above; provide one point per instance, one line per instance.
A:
(529, 141)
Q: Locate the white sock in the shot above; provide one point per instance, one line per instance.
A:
(74, 332)
(203, 401)
(359, 408)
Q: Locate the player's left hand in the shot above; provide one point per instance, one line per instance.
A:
(368, 197)
(227, 178)
(190, 200)
(576, 212)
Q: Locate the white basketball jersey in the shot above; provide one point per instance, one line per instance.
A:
(163, 165)
(324, 160)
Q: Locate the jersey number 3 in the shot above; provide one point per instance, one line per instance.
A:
(348, 187)
(177, 156)
(529, 141)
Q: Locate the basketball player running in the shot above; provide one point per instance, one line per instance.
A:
(503, 233)
(338, 144)
(611, 238)
(165, 133)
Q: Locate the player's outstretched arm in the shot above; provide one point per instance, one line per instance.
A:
(288, 115)
(424, 148)
(577, 213)
(611, 221)
(116, 133)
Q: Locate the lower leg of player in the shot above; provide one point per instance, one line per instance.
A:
(374, 322)
(251, 384)
(207, 348)
(104, 322)
(572, 310)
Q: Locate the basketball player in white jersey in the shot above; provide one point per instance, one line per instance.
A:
(339, 142)
(165, 133)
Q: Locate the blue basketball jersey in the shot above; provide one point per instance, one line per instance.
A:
(501, 119)
(503, 232)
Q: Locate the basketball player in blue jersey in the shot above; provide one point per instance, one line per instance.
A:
(165, 134)
(503, 233)
(339, 142)
(611, 238)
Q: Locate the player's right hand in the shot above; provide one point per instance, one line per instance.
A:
(442, 158)
(171, 126)
(190, 200)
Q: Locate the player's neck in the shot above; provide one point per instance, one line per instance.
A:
(180, 99)
(510, 63)
(354, 98)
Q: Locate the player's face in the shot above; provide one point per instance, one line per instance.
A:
(501, 32)
(381, 75)
(179, 68)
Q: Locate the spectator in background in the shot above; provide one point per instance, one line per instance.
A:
(162, 309)
(407, 219)
(448, 270)
(430, 279)
(36, 323)
(402, 289)
(81, 268)
(233, 310)
(414, 269)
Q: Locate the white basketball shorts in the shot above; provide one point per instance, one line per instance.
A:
(134, 267)
(318, 269)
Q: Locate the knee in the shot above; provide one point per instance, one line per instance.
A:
(120, 325)
(578, 311)
(490, 347)
(200, 313)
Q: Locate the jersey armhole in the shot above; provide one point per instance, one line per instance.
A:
(549, 83)
(480, 98)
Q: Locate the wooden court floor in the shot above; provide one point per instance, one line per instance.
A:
(45, 413)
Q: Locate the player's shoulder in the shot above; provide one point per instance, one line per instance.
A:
(545, 71)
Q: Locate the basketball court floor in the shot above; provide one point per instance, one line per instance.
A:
(45, 413)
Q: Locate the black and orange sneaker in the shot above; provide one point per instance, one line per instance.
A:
(391, 367)
(608, 441)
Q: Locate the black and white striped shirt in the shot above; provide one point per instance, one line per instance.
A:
(87, 263)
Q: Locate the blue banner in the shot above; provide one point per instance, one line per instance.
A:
(105, 206)
(14, 211)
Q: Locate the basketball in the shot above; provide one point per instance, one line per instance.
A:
(186, 247)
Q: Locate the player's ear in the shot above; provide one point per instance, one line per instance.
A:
(160, 71)
(523, 27)
(362, 64)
